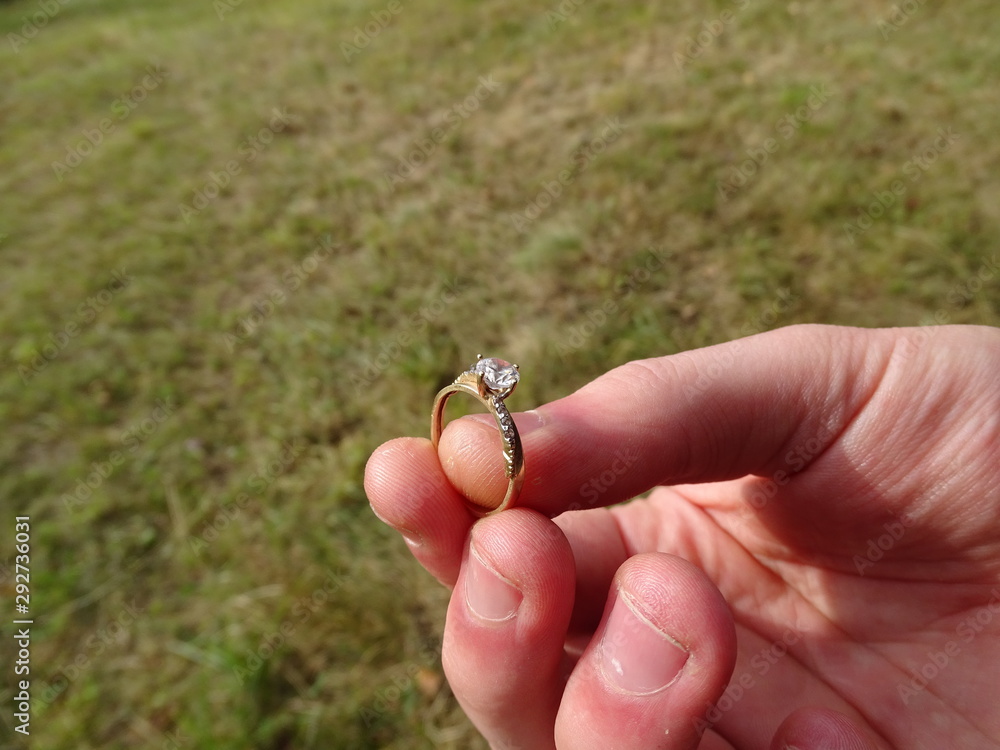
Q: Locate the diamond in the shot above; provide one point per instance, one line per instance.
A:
(498, 374)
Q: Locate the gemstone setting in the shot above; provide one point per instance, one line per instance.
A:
(499, 375)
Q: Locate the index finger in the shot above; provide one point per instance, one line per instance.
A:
(716, 413)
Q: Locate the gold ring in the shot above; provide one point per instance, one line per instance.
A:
(491, 381)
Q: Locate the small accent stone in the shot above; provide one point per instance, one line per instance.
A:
(498, 374)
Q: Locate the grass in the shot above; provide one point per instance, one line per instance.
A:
(225, 585)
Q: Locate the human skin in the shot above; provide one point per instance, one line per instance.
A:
(821, 542)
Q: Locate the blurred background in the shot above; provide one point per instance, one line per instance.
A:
(243, 243)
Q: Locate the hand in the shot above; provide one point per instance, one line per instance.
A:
(822, 569)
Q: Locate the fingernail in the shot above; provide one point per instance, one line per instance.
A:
(636, 656)
(488, 595)
(412, 538)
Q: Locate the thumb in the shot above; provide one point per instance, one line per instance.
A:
(716, 413)
(663, 653)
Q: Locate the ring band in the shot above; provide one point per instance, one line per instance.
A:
(490, 381)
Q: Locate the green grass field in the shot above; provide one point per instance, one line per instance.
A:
(244, 243)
